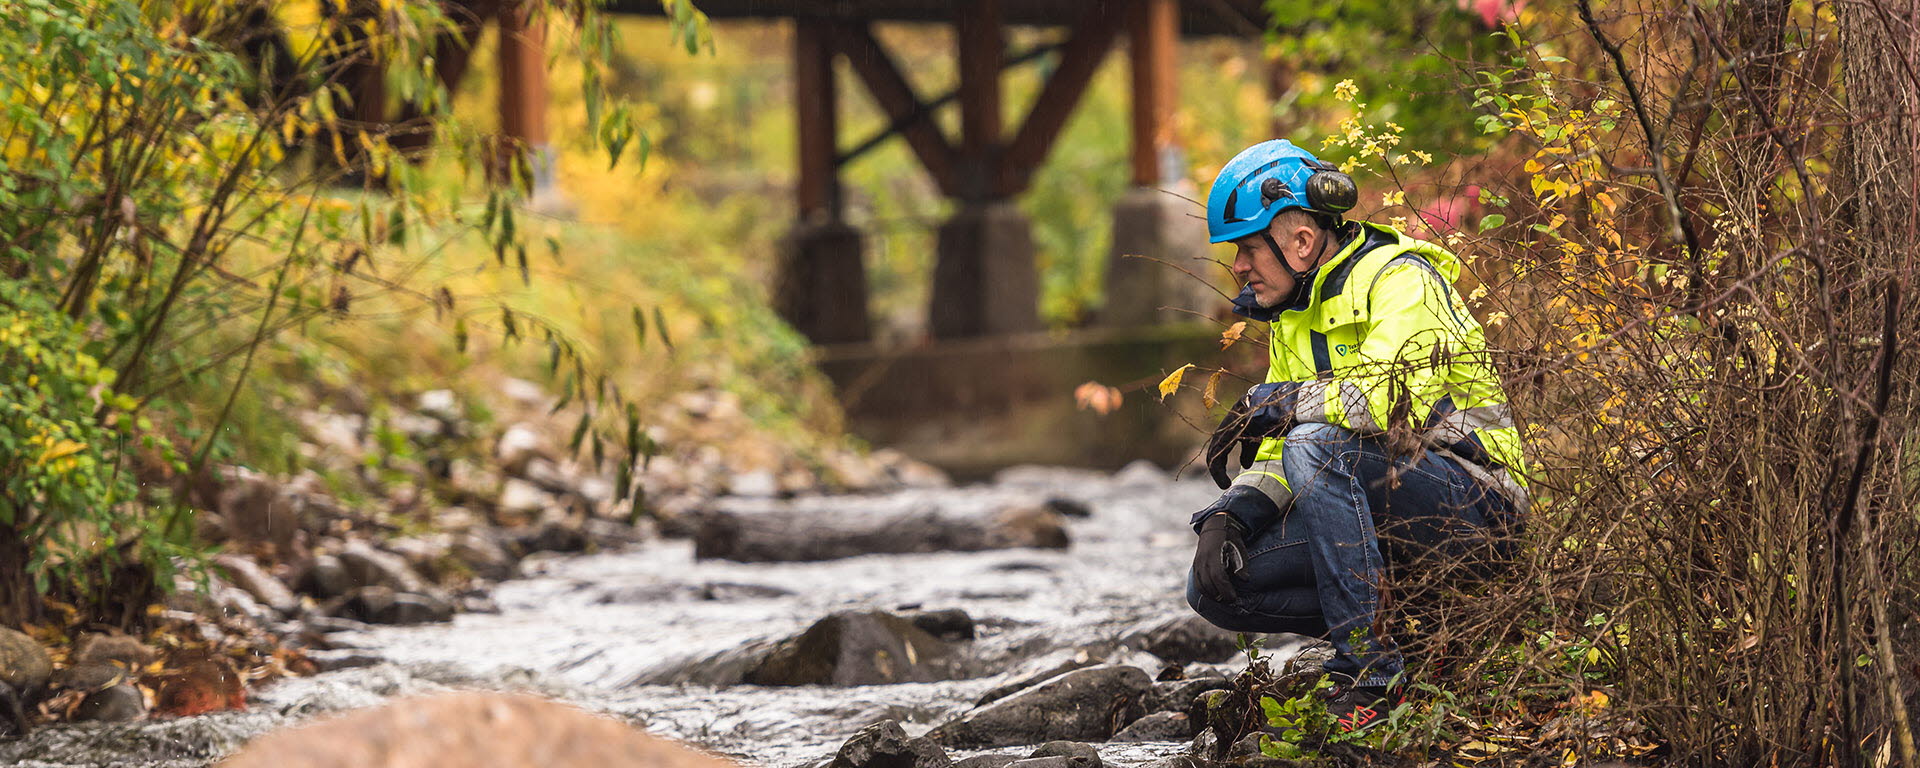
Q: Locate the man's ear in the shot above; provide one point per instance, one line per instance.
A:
(1300, 241)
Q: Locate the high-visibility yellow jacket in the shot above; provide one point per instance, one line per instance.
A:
(1384, 339)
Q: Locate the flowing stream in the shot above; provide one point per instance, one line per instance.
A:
(585, 628)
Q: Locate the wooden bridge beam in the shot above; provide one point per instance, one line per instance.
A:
(1155, 28)
(815, 101)
(889, 87)
(1092, 37)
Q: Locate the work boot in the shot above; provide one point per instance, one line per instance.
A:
(1358, 707)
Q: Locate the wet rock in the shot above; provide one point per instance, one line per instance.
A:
(909, 472)
(426, 555)
(986, 761)
(380, 604)
(729, 591)
(1178, 695)
(117, 704)
(482, 554)
(369, 567)
(551, 477)
(1030, 527)
(554, 536)
(90, 676)
(325, 625)
(1182, 638)
(609, 535)
(25, 669)
(951, 624)
(342, 658)
(1044, 762)
(1177, 761)
(1075, 754)
(1066, 507)
(800, 535)
(1247, 747)
(1158, 726)
(265, 589)
(1205, 745)
(519, 500)
(885, 745)
(856, 648)
(472, 602)
(468, 729)
(1141, 472)
(1084, 705)
(1037, 671)
(518, 446)
(105, 648)
(759, 483)
(324, 577)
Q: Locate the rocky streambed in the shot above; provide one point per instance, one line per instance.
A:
(781, 663)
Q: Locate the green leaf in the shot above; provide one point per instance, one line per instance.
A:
(1492, 220)
(660, 325)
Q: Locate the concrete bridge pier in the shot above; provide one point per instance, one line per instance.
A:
(1159, 236)
(984, 282)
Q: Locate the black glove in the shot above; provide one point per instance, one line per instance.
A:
(1266, 411)
(1220, 558)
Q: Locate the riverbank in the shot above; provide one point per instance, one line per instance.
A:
(596, 629)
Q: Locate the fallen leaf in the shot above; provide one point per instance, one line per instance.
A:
(1232, 334)
(1171, 383)
(1097, 397)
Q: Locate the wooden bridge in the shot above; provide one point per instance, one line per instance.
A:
(984, 281)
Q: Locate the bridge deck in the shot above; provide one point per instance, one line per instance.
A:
(1197, 17)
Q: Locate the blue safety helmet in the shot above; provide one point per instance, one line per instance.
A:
(1271, 177)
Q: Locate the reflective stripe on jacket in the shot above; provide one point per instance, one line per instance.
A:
(1385, 339)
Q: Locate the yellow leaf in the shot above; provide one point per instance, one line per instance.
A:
(1210, 395)
(1171, 383)
(1232, 334)
(60, 449)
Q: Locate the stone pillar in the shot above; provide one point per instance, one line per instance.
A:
(984, 281)
(820, 283)
(1169, 234)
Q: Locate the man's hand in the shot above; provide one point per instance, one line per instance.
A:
(1266, 411)
(1220, 558)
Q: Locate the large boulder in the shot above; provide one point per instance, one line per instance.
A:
(1182, 638)
(1083, 705)
(843, 649)
(784, 534)
(885, 745)
(1039, 670)
(502, 731)
(857, 648)
(380, 604)
(1158, 726)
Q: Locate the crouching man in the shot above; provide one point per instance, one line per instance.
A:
(1368, 336)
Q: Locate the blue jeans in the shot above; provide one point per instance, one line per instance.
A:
(1320, 569)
